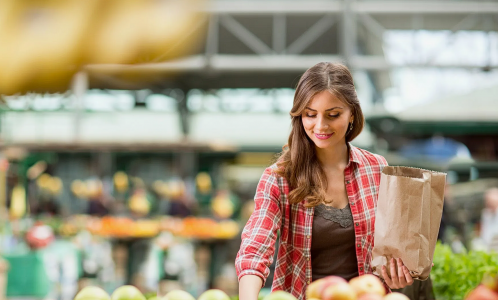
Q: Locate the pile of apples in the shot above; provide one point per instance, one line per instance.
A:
(364, 287)
(128, 292)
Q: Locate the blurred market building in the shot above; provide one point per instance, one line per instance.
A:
(127, 125)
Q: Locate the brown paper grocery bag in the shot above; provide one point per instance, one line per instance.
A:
(407, 220)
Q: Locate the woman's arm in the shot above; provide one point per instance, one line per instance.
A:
(249, 287)
(259, 235)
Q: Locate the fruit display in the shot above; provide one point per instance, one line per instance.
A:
(128, 292)
(201, 228)
(364, 287)
(122, 227)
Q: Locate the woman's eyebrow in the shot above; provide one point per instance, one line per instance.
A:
(326, 109)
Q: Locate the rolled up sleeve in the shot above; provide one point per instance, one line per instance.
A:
(258, 237)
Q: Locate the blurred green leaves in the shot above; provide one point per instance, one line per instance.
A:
(456, 274)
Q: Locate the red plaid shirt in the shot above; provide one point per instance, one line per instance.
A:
(273, 212)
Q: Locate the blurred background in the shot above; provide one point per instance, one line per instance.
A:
(133, 133)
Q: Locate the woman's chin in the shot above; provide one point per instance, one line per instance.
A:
(325, 144)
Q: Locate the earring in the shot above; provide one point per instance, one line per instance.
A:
(351, 127)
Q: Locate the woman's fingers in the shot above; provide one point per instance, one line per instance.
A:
(394, 274)
(386, 277)
(409, 279)
(401, 273)
(405, 273)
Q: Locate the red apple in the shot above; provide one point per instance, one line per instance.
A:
(339, 291)
(316, 288)
(482, 293)
(367, 284)
(371, 297)
(396, 296)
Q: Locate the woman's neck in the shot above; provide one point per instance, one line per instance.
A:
(333, 157)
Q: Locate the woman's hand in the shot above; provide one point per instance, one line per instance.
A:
(400, 276)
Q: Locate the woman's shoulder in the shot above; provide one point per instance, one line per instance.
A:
(368, 158)
(272, 170)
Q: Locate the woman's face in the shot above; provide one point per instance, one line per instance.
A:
(326, 120)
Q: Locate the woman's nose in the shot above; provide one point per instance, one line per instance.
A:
(322, 123)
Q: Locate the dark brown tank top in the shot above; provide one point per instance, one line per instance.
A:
(333, 243)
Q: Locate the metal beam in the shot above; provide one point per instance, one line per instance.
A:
(279, 37)
(212, 39)
(426, 7)
(311, 35)
(271, 63)
(245, 7)
(244, 35)
(271, 7)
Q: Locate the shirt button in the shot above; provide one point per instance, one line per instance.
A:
(311, 213)
(308, 236)
(348, 182)
(357, 224)
(308, 282)
(307, 258)
(352, 203)
(358, 245)
(361, 268)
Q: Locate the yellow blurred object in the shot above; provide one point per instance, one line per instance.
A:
(121, 181)
(41, 43)
(138, 203)
(18, 202)
(78, 188)
(145, 228)
(45, 42)
(117, 39)
(170, 29)
(55, 185)
(43, 181)
(227, 229)
(222, 205)
(203, 181)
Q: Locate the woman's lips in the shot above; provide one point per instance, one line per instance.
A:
(323, 136)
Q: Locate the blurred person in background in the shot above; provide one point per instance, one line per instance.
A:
(321, 194)
(489, 220)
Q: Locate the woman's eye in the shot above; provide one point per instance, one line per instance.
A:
(310, 116)
(334, 116)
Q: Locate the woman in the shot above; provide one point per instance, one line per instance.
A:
(321, 194)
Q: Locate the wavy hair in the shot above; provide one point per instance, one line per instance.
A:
(298, 162)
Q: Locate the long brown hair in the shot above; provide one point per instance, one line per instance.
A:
(298, 162)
